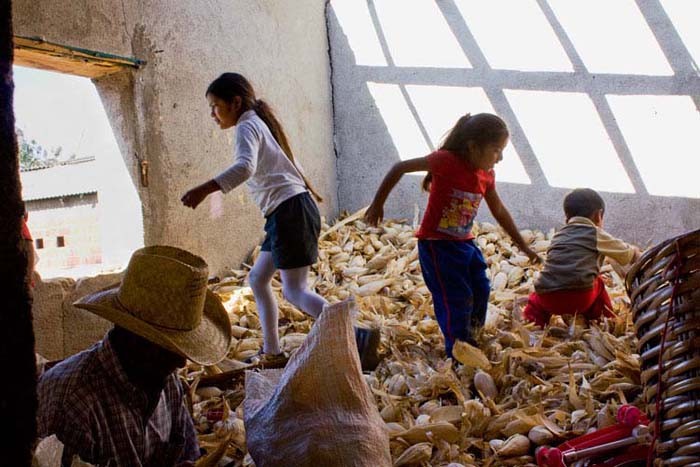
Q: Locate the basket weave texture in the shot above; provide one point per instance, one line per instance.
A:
(664, 287)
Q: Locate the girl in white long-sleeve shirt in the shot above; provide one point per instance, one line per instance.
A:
(264, 160)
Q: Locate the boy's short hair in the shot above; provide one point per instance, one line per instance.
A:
(582, 202)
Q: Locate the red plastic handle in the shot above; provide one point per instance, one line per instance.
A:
(549, 457)
(629, 415)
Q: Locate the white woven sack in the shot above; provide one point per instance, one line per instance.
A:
(318, 411)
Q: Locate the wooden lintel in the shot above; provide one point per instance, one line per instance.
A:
(37, 53)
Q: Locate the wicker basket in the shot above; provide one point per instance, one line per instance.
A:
(664, 286)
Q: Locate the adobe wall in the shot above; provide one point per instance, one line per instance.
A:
(159, 113)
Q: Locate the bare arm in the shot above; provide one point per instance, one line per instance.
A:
(375, 212)
(503, 217)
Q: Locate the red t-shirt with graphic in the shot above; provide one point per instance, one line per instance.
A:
(456, 191)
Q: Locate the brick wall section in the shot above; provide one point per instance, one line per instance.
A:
(74, 218)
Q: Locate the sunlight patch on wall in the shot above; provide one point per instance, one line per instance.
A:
(662, 134)
(611, 37)
(439, 107)
(418, 35)
(521, 40)
(569, 140)
(685, 15)
(356, 22)
(399, 120)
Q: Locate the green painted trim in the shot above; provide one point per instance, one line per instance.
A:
(129, 61)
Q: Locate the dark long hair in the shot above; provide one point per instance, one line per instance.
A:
(481, 129)
(229, 85)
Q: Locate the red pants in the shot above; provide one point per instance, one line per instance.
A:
(591, 303)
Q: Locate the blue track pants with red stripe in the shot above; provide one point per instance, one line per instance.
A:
(455, 274)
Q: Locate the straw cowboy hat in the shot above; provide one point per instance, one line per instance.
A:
(164, 298)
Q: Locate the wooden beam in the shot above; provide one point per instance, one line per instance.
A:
(35, 52)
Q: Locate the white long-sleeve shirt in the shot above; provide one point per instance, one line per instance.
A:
(260, 162)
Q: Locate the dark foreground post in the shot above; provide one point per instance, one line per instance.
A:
(17, 363)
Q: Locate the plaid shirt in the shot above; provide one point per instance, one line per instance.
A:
(99, 415)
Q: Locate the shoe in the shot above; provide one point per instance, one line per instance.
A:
(266, 360)
(367, 344)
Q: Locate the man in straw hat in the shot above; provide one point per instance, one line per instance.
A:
(120, 403)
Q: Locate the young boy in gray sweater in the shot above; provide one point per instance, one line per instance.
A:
(570, 282)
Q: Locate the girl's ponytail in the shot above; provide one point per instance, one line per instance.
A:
(266, 115)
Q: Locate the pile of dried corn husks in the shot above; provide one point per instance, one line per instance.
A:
(529, 387)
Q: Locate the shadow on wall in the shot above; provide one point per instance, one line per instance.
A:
(597, 94)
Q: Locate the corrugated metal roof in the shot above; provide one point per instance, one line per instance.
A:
(62, 180)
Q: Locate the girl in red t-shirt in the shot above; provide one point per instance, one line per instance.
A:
(460, 174)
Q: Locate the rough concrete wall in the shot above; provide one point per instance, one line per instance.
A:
(374, 67)
(160, 114)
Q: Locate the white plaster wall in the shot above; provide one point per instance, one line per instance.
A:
(160, 113)
(394, 63)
